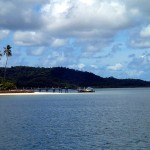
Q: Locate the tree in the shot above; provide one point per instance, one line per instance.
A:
(7, 85)
(7, 53)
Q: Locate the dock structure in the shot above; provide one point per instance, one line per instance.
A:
(53, 89)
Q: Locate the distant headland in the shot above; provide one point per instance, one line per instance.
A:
(39, 77)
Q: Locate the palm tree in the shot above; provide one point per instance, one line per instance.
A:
(7, 52)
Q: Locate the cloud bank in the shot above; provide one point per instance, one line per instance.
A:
(92, 35)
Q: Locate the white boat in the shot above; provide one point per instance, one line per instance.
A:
(89, 89)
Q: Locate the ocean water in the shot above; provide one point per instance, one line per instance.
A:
(109, 119)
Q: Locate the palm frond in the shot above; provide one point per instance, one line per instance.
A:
(7, 51)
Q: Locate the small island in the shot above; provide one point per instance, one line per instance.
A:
(25, 79)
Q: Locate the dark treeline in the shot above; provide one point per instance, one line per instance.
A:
(28, 77)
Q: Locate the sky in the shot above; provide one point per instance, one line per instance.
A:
(110, 38)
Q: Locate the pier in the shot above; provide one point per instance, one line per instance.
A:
(54, 90)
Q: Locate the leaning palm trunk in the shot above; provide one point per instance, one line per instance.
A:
(5, 69)
(7, 52)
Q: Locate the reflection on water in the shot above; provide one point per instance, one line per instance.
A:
(110, 119)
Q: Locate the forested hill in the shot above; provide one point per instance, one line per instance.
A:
(61, 77)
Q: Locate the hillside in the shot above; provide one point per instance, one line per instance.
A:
(60, 77)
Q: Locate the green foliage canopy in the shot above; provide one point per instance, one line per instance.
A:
(28, 77)
(7, 86)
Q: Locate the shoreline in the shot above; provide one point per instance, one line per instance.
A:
(42, 93)
(34, 93)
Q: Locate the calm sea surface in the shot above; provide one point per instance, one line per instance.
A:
(110, 119)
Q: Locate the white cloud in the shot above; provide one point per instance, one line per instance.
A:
(3, 34)
(73, 20)
(87, 2)
(78, 33)
(91, 48)
(58, 42)
(55, 59)
(89, 51)
(142, 61)
(66, 19)
(116, 67)
(94, 66)
(141, 39)
(19, 15)
(140, 43)
(142, 6)
(81, 66)
(37, 51)
(28, 38)
(145, 32)
(134, 73)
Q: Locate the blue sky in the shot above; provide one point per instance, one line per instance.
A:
(106, 37)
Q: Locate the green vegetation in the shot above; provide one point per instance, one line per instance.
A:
(27, 77)
(7, 85)
(7, 53)
(4, 84)
(31, 77)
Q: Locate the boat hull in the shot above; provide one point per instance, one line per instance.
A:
(86, 90)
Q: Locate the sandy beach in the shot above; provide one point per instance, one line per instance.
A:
(34, 93)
